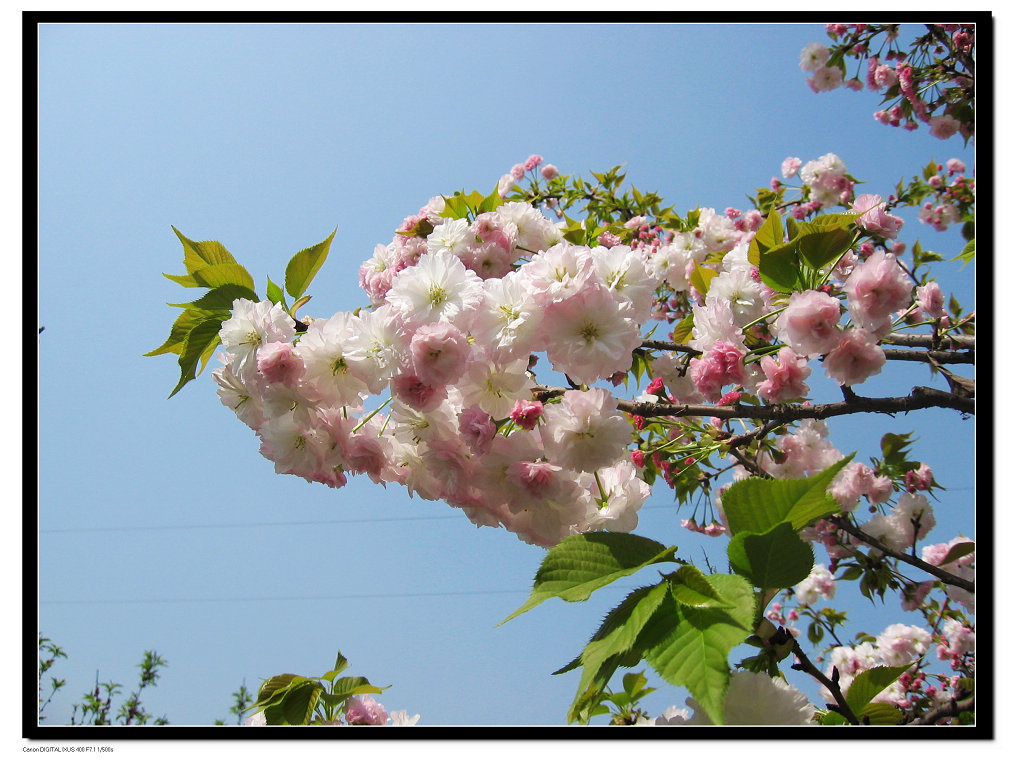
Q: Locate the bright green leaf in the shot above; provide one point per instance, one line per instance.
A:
(275, 294)
(959, 550)
(779, 267)
(200, 254)
(759, 504)
(215, 275)
(689, 586)
(870, 683)
(186, 322)
(199, 340)
(701, 278)
(582, 563)
(967, 253)
(221, 297)
(302, 268)
(695, 653)
(775, 559)
(768, 236)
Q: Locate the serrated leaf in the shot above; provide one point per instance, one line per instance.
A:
(187, 281)
(870, 683)
(690, 587)
(967, 253)
(355, 685)
(819, 244)
(775, 559)
(759, 504)
(582, 563)
(273, 684)
(186, 322)
(701, 277)
(614, 642)
(779, 267)
(200, 341)
(200, 254)
(221, 297)
(302, 268)
(297, 705)
(276, 295)
(768, 236)
(215, 275)
(695, 653)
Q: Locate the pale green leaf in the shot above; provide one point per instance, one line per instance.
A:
(302, 268)
(582, 563)
(759, 504)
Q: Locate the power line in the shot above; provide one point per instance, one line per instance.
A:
(100, 529)
(286, 598)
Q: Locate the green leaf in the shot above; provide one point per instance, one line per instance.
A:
(701, 278)
(582, 563)
(768, 236)
(274, 684)
(824, 239)
(348, 686)
(275, 294)
(297, 704)
(870, 683)
(221, 297)
(302, 268)
(690, 587)
(684, 329)
(967, 253)
(881, 714)
(199, 343)
(215, 275)
(187, 281)
(775, 559)
(695, 653)
(200, 254)
(959, 550)
(186, 322)
(779, 267)
(759, 504)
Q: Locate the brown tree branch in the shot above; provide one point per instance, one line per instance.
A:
(833, 687)
(862, 536)
(921, 398)
(929, 342)
(953, 708)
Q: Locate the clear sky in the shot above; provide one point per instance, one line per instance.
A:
(162, 527)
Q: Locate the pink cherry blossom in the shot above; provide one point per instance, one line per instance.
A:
(874, 218)
(526, 413)
(784, 375)
(809, 325)
(855, 358)
(439, 353)
(364, 709)
(875, 289)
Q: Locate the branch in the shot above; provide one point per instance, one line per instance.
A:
(862, 536)
(953, 708)
(943, 357)
(920, 398)
(833, 687)
(926, 341)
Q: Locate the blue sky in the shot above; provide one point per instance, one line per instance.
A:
(162, 527)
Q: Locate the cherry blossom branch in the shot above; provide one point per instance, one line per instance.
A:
(833, 687)
(928, 341)
(862, 536)
(945, 357)
(953, 708)
(921, 398)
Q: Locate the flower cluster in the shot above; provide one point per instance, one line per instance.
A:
(931, 83)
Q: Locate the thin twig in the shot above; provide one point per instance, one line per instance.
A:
(921, 398)
(953, 708)
(833, 687)
(862, 536)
